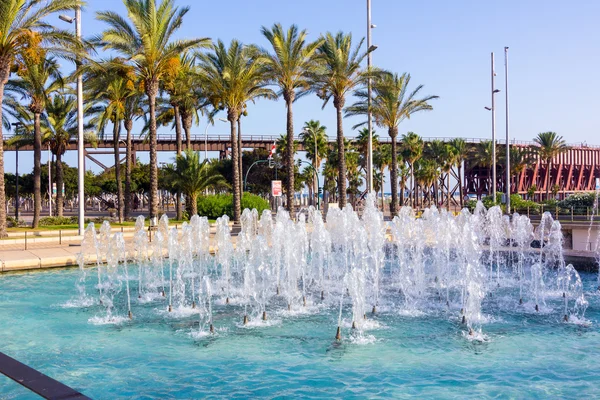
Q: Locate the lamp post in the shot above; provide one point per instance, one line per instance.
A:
(493, 110)
(80, 144)
(507, 137)
(370, 48)
(16, 125)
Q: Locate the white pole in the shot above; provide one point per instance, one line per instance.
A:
(369, 116)
(80, 144)
(507, 136)
(49, 184)
(493, 133)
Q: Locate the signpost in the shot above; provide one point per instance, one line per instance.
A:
(276, 188)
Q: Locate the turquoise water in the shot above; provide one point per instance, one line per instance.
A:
(526, 355)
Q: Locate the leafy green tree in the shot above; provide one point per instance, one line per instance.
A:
(314, 139)
(412, 151)
(460, 150)
(550, 146)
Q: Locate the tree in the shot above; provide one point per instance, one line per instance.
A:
(289, 66)
(460, 150)
(58, 128)
(412, 151)
(484, 158)
(191, 176)
(340, 73)
(314, 139)
(39, 77)
(391, 104)
(231, 77)
(23, 31)
(382, 159)
(362, 145)
(146, 41)
(550, 146)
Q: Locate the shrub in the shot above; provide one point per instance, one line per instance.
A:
(48, 221)
(215, 206)
(578, 200)
(12, 222)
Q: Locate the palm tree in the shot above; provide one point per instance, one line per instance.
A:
(484, 158)
(131, 111)
(23, 31)
(520, 158)
(382, 159)
(412, 151)
(339, 75)
(191, 177)
(38, 79)
(232, 77)
(551, 145)
(391, 104)
(58, 128)
(362, 145)
(315, 151)
(289, 66)
(110, 84)
(460, 150)
(146, 41)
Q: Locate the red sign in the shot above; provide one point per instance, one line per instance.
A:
(276, 188)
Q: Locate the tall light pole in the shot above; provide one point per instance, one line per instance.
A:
(49, 184)
(80, 144)
(507, 136)
(370, 48)
(493, 131)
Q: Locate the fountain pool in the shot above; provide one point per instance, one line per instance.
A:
(421, 276)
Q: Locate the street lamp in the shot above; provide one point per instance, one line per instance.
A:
(17, 125)
(507, 137)
(370, 49)
(80, 144)
(493, 110)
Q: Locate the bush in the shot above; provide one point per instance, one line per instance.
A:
(215, 206)
(522, 206)
(11, 222)
(578, 200)
(48, 221)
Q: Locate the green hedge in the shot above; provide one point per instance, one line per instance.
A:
(47, 221)
(215, 206)
(578, 200)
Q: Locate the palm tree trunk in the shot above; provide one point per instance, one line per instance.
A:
(289, 162)
(393, 132)
(186, 120)
(548, 170)
(179, 146)
(59, 184)
(339, 105)
(232, 117)
(37, 170)
(240, 152)
(116, 129)
(193, 206)
(4, 72)
(128, 162)
(413, 186)
(151, 91)
(460, 188)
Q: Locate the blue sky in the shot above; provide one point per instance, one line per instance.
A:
(445, 45)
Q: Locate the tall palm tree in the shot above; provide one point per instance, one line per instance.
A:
(232, 77)
(551, 145)
(192, 177)
(58, 128)
(460, 150)
(314, 139)
(290, 62)
(382, 159)
(131, 111)
(520, 158)
(340, 73)
(146, 41)
(391, 104)
(23, 30)
(38, 79)
(362, 145)
(412, 151)
(110, 84)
